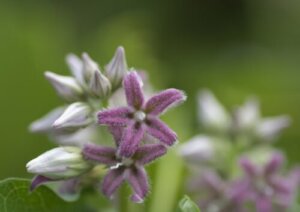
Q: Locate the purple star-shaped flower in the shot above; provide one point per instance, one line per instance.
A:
(125, 169)
(265, 186)
(141, 116)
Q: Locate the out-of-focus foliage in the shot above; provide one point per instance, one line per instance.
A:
(15, 197)
(187, 205)
(235, 47)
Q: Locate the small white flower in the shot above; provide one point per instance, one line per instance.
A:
(269, 128)
(66, 87)
(199, 148)
(75, 116)
(59, 163)
(247, 116)
(211, 113)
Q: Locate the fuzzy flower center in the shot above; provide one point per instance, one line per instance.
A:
(127, 161)
(263, 187)
(139, 116)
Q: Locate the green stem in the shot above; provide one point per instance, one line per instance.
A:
(123, 198)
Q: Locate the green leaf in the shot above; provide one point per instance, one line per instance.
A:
(15, 196)
(187, 205)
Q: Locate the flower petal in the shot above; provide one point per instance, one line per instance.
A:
(133, 90)
(138, 180)
(211, 112)
(114, 117)
(149, 152)
(112, 181)
(274, 164)
(198, 149)
(117, 133)
(263, 204)
(37, 181)
(101, 154)
(131, 138)
(280, 185)
(269, 128)
(164, 100)
(240, 191)
(248, 167)
(161, 131)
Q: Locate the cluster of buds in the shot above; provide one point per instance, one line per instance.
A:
(233, 165)
(83, 128)
(85, 92)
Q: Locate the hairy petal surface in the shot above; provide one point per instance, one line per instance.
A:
(117, 133)
(149, 152)
(161, 131)
(131, 138)
(112, 181)
(114, 117)
(100, 154)
(164, 100)
(138, 179)
(133, 90)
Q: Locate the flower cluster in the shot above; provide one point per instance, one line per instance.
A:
(233, 165)
(96, 128)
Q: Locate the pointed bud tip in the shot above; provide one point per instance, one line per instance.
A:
(49, 74)
(85, 55)
(57, 124)
(120, 50)
(71, 56)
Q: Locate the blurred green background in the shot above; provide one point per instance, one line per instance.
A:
(234, 47)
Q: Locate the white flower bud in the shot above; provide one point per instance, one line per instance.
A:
(75, 116)
(247, 116)
(89, 67)
(116, 69)
(211, 113)
(199, 148)
(75, 65)
(59, 163)
(269, 128)
(44, 124)
(99, 85)
(66, 87)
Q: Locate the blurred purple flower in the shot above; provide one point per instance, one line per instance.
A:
(140, 116)
(264, 186)
(211, 190)
(125, 169)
